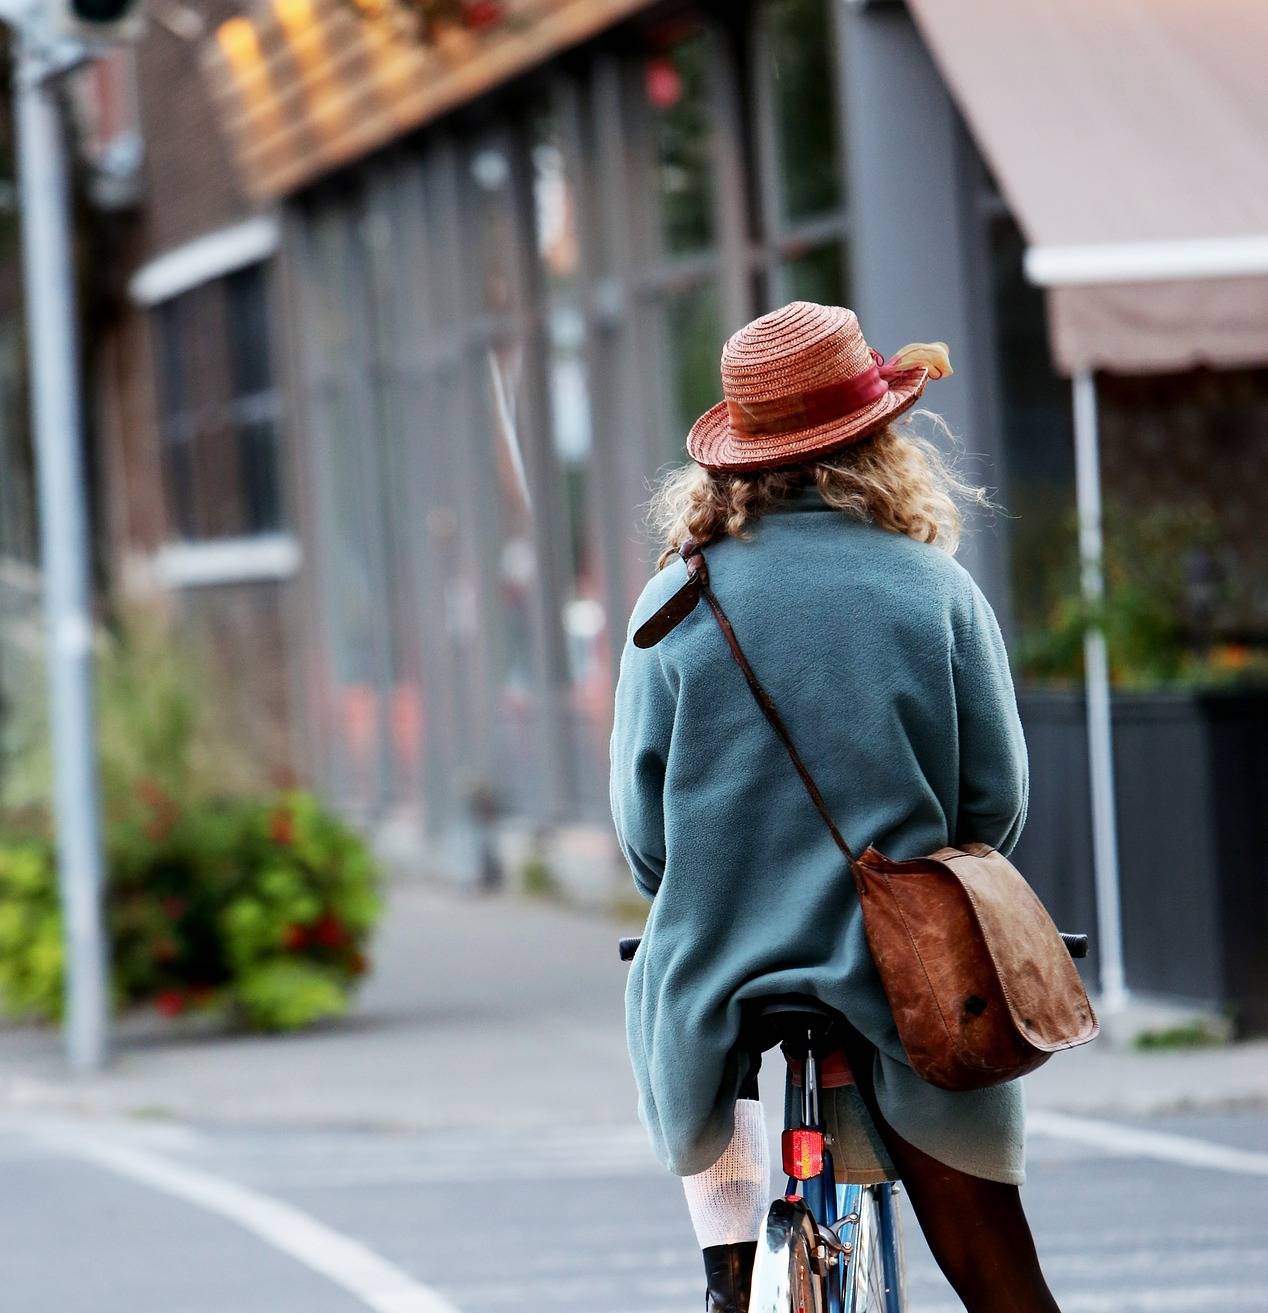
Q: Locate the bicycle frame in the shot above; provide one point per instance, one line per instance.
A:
(838, 1217)
(838, 1228)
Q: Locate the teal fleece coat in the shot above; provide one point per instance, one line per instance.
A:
(887, 664)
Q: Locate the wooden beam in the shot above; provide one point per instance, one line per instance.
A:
(301, 87)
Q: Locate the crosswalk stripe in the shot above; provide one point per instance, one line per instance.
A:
(1133, 1142)
(348, 1263)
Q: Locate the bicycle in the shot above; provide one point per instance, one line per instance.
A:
(824, 1248)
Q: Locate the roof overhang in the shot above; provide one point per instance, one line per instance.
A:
(304, 86)
(1147, 262)
(1130, 139)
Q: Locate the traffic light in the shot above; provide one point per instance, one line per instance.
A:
(100, 22)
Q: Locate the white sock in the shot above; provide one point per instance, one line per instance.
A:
(729, 1201)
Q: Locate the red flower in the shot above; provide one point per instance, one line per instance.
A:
(171, 1002)
(282, 826)
(159, 827)
(173, 907)
(152, 793)
(330, 931)
(481, 14)
(164, 810)
(295, 936)
(662, 82)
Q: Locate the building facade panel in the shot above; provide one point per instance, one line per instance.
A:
(187, 411)
(504, 329)
(382, 450)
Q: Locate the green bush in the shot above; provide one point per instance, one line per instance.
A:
(261, 907)
(286, 994)
(221, 893)
(30, 930)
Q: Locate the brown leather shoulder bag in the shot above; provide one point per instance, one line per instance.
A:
(981, 984)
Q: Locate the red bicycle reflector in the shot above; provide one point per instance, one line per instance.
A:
(803, 1153)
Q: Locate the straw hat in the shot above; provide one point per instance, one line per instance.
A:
(801, 382)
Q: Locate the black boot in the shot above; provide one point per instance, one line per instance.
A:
(729, 1272)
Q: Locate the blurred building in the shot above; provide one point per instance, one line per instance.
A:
(422, 295)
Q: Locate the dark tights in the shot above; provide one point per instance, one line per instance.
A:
(976, 1229)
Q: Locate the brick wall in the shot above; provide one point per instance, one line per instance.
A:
(189, 190)
(190, 184)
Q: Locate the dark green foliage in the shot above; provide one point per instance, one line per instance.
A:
(1165, 593)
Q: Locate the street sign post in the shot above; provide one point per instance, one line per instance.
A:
(57, 424)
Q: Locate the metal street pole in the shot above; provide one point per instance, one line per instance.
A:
(55, 408)
(1100, 737)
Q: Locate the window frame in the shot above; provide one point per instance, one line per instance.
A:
(191, 426)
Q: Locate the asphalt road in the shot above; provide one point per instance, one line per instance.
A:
(466, 1143)
(156, 1217)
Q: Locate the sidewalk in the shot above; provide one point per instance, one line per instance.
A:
(504, 1010)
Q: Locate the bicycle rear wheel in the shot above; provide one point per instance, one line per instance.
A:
(875, 1277)
(786, 1276)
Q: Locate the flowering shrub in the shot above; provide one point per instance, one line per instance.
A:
(262, 907)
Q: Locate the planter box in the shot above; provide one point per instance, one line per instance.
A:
(1191, 773)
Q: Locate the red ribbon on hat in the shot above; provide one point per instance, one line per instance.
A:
(807, 410)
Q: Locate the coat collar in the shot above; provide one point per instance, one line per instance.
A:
(804, 499)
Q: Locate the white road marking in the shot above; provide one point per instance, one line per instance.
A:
(668, 1308)
(455, 1174)
(1198, 1261)
(348, 1263)
(1133, 1142)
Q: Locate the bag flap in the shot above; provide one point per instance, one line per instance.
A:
(1041, 984)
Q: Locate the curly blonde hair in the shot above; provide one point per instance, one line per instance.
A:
(895, 479)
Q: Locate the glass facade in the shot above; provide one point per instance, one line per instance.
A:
(505, 329)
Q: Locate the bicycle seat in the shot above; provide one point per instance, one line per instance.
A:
(796, 1020)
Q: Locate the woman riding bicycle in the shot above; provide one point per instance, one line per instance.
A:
(830, 527)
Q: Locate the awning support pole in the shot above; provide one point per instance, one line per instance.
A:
(1109, 922)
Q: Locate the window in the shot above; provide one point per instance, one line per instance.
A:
(803, 195)
(681, 257)
(738, 200)
(218, 409)
(505, 327)
(579, 593)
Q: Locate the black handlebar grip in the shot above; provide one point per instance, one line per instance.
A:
(1077, 944)
(628, 948)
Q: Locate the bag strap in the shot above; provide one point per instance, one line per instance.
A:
(698, 578)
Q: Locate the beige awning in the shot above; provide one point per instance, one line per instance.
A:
(1130, 139)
